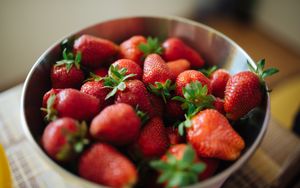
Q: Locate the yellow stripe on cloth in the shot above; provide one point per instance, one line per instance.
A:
(5, 178)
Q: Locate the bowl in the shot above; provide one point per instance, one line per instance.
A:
(216, 48)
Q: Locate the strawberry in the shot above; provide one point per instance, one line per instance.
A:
(211, 165)
(173, 135)
(97, 89)
(244, 91)
(104, 165)
(178, 66)
(158, 76)
(71, 103)
(179, 167)
(219, 105)
(157, 104)
(175, 48)
(64, 138)
(218, 81)
(189, 76)
(153, 140)
(117, 124)
(129, 49)
(135, 94)
(48, 94)
(131, 67)
(212, 136)
(67, 73)
(174, 110)
(95, 51)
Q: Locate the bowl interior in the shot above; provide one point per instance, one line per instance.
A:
(216, 49)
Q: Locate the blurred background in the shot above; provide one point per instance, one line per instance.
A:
(267, 29)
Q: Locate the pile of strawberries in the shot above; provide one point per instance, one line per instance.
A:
(142, 113)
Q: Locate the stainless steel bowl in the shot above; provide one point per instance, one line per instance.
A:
(216, 48)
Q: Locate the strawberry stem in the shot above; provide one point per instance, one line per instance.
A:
(50, 110)
(152, 46)
(162, 89)
(207, 72)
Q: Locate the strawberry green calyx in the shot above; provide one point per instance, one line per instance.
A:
(75, 142)
(260, 72)
(152, 46)
(179, 173)
(116, 80)
(207, 72)
(162, 89)
(69, 60)
(50, 110)
(142, 115)
(195, 97)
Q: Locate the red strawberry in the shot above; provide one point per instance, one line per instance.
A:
(245, 90)
(95, 51)
(219, 105)
(157, 105)
(129, 49)
(102, 72)
(116, 124)
(158, 76)
(212, 136)
(131, 67)
(71, 103)
(179, 167)
(135, 94)
(174, 110)
(48, 94)
(189, 76)
(173, 135)
(67, 73)
(218, 81)
(63, 138)
(178, 66)
(153, 140)
(175, 48)
(97, 89)
(104, 165)
(211, 166)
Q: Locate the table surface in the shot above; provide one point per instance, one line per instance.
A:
(28, 170)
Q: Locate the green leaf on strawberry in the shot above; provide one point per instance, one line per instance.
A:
(94, 77)
(69, 60)
(50, 110)
(116, 80)
(142, 115)
(179, 172)
(162, 89)
(152, 46)
(207, 72)
(260, 72)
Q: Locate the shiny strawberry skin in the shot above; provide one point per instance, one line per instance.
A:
(178, 66)
(212, 136)
(104, 165)
(173, 135)
(75, 104)
(61, 78)
(135, 94)
(117, 124)
(129, 49)
(153, 140)
(218, 80)
(189, 76)
(54, 138)
(131, 66)
(156, 70)
(95, 51)
(96, 89)
(175, 48)
(242, 93)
